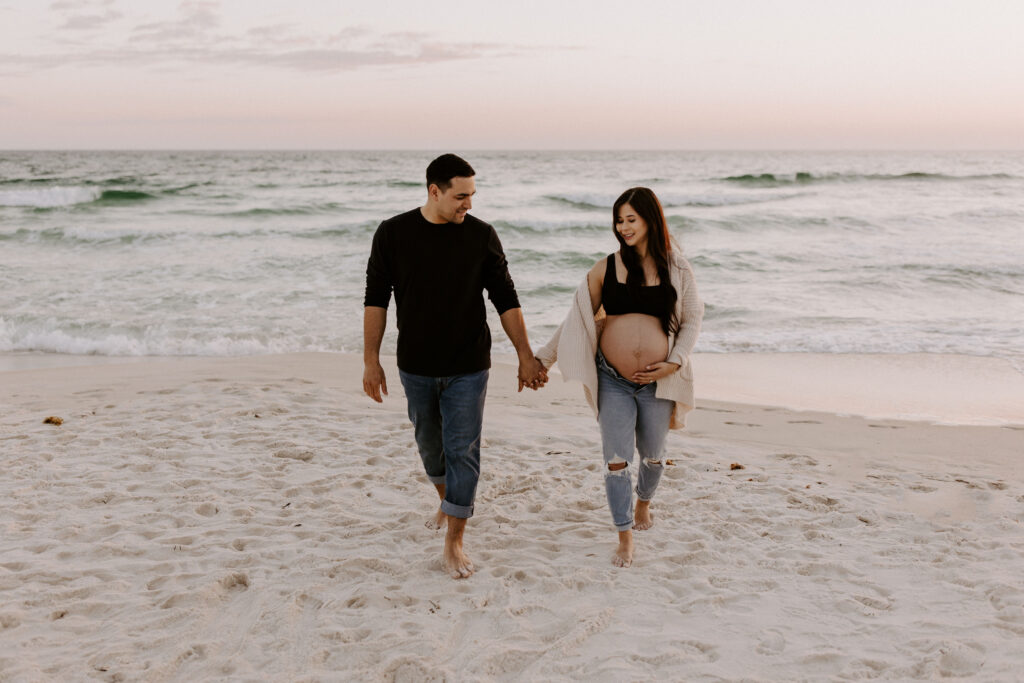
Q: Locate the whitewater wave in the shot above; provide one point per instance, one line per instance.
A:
(39, 338)
(805, 178)
(87, 235)
(669, 200)
(528, 227)
(708, 201)
(58, 196)
(304, 210)
(583, 200)
(49, 197)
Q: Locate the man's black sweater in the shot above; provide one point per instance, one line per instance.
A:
(438, 273)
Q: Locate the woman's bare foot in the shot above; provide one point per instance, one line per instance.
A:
(456, 563)
(642, 517)
(437, 521)
(623, 556)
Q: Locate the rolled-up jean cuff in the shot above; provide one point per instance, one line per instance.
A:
(624, 527)
(436, 481)
(453, 510)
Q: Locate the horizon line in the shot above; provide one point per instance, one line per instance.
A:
(485, 150)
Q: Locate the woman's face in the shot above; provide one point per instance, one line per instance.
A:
(631, 227)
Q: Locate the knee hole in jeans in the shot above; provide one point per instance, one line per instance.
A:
(616, 469)
(652, 463)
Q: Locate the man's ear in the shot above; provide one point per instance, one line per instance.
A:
(434, 192)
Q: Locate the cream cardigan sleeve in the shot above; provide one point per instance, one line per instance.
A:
(690, 312)
(575, 341)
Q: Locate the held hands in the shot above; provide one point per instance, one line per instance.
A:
(532, 373)
(654, 372)
(374, 381)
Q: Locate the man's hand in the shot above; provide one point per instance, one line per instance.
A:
(654, 372)
(374, 382)
(532, 373)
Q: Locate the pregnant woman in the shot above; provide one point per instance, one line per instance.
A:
(628, 339)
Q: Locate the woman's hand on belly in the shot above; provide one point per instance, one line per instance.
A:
(654, 372)
(634, 342)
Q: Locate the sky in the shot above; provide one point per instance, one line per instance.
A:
(569, 74)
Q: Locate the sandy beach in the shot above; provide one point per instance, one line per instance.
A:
(259, 518)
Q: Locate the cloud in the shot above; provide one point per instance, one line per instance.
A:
(6, 101)
(60, 5)
(81, 22)
(198, 18)
(82, 15)
(193, 39)
(324, 59)
(195, 36)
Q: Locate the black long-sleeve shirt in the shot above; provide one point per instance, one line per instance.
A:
(438, 273)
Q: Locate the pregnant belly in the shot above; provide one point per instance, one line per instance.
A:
(633, 341)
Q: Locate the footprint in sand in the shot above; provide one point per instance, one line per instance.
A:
(771, 642)
(9, 621)
(295, 454)
(797, 459)
(207, 510)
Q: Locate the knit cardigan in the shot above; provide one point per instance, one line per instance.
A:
(575, 343)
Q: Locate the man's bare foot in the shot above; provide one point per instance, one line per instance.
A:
(437, 521)
(456, 563)
(623, 556)
(642, 517)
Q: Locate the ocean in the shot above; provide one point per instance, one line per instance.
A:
(233, 253)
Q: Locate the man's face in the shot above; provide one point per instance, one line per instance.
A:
(453, 203)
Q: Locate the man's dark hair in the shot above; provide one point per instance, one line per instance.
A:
(447, 166)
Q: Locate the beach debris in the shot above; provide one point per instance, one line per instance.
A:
(670, 463)
(255, 414)
(53, 420)
(737, 466)
(558, 453)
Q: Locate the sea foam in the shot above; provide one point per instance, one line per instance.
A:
(49, 197)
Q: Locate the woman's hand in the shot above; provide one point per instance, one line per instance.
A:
(654, 372)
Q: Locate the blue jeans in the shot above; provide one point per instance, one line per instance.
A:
(447, 414)
(630, 417)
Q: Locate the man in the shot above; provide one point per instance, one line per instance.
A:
(438, 260)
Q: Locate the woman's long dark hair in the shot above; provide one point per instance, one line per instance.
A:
(659, 246)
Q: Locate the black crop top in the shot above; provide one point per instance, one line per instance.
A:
(617, 299)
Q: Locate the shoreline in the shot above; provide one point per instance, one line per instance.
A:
(941, 389)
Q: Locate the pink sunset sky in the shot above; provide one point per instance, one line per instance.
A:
(397, 74)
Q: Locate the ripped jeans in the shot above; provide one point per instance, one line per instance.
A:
(630, 417)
